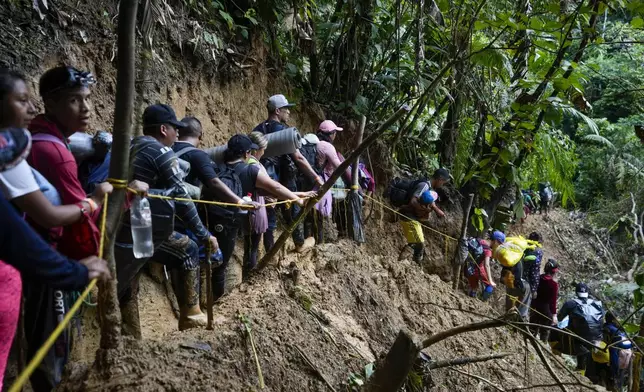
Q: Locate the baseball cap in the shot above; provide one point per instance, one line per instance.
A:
(277, 102)
(551, 266)
(442, 173)
(498, 235)
(241, 143)
(161, 114)
(15, 144)
(581, 290)
(329, 126)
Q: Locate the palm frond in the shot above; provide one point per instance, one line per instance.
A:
(571, 111)
(598, 139)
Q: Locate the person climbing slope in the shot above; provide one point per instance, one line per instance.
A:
(244, 179)
(418, 210)
(285, 168)
(586, 320)
(155, 163)
(532, 263)
(478, 269)
(544, 305)
(517, 289)
(621, 352)
(258, 225)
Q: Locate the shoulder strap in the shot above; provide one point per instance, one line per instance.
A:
(185, 150)
(45, 137)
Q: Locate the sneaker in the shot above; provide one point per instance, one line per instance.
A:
(308, 244)
(196, 321)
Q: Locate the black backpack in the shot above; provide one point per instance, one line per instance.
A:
(310, 152)
(400, 190)
(586, 319)
(230, 178)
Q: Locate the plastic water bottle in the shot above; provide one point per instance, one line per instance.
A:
(247, 200)
(141, 223)
(217, 258)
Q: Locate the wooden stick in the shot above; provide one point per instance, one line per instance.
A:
(315, 368)
(485, 380)
(457, 263)
(260, 376)
(467, 360)
(327, 185)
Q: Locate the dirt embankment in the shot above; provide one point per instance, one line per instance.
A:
(349, 304)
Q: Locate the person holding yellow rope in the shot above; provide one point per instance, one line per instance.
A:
(23, 251)
(154, 162)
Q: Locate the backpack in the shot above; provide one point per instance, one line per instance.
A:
(365, 179)
(193, 190)
(475, 250)
(400, 190)
(586, 319)
(230, 177)
(310, 152)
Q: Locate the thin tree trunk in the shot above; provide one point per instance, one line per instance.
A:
(110, 315)
(458, 262)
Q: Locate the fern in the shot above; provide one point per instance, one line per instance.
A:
(596, 138)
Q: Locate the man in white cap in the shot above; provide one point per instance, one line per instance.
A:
(284, 168)
(586, 320)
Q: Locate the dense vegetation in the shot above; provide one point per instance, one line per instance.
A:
(507, 94)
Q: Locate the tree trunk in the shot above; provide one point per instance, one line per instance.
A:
(110, 315)
(392, 371)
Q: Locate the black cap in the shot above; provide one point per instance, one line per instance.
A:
(161, 114)
(442, 173)
(241, 143)
(581, 290)
(551, 266)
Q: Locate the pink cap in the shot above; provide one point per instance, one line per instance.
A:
(329, 126)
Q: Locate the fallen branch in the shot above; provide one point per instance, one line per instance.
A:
(493, 323)
(315, 368)
(544, 360)
(466, 360)
(563, 244)
(607, 252)
(572, 384)
(246, 323)
(485, 380)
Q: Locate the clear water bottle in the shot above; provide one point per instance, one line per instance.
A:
(141, 223)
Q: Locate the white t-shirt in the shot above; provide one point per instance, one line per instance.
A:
(18, 181)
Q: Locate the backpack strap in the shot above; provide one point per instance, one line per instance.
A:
(185, 150)
(45, 137)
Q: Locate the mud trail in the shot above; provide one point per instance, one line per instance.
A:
(345, 312)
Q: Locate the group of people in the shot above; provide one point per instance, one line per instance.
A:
(51, 238)
(537, 201)
(581, 327)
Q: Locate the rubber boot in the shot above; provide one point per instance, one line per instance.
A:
(131, 322)
(190, 313)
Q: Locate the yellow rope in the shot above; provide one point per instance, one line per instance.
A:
(60, 328)
(398, 213)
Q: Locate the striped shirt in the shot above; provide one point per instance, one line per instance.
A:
(157, 165)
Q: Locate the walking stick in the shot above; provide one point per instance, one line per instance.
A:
(209, 297)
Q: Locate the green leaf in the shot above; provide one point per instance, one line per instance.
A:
(229, 19)
(637, 22)
(631, 328)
